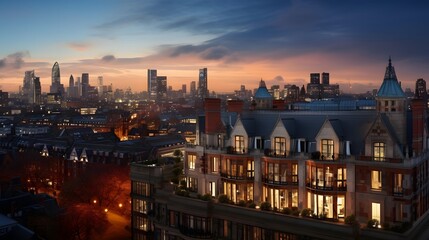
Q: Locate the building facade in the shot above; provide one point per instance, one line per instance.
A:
(331, 165)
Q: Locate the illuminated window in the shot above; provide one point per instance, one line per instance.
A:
(327, 149)
(376, 182)
(279, 145)
(379, 151)
(191, 161)
(294, 173)
(376, 211)
(193, 184)
(397, 183)
(239, 144)
(214, 164)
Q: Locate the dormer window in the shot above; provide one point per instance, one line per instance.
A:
(327, 149)
(279, 145)
(239, 144)
(379, 151)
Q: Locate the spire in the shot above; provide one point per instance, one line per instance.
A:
(390, 86)
(390, 72)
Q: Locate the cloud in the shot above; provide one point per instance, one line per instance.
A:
(108, 58)
(14, 60)
(79, 46)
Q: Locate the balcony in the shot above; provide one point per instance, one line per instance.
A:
(398, 191)
(380, 159)
(195, 233)
(341, 186)
(237, 150)
(318, 156)
(281, 182)
(243, 176)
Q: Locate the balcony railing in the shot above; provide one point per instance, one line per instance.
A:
(328, 187)
(278, 182)
(319, 156)
(195, 233)
(236, 177)
(398, 191)
(380, 159)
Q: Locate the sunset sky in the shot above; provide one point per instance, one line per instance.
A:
(239, 41)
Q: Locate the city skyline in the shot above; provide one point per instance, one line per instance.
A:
(239, 42)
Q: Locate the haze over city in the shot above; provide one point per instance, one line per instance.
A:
(239, 42)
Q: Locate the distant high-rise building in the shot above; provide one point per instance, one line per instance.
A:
(71, 81)
(161, 87)
(100, 87)
(184, 88)
(56, 86)
(421, 91)
(78, 87)
(70, 90)
(151, 83)
(203, 91)
(314, 78)
(31, 90)
(193, 89)
(325, 78)
(37, 94)
(85, 84)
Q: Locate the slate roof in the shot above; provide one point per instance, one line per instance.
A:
(350, 126)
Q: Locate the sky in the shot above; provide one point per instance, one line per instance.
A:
(239, 41)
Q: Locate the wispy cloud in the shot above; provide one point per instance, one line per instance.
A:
(79, 46)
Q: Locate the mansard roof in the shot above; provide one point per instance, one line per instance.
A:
(390, 88)
(349, 126)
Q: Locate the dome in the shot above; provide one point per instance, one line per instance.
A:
(262, 91)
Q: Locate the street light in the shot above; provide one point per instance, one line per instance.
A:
(95, 201)
(120, 205)
(106, 210)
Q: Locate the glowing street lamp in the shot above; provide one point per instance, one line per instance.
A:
(120, 205)
(106, 210)
(95, 201)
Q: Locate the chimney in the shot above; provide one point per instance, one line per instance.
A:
(235, 106)
(212, 107)
(418, 109)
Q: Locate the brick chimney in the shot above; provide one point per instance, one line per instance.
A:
(418, 109)
(235, 106)
(212, 107)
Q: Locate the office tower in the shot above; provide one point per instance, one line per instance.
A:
(184, 88)
(421, 91)
(37, 91)
(56, 86)
(70, 90)
(193, 89)
(78, 87)
(151, 83)
(85, 84)
(325, 78)
(203, 91)
(29, 93)
(161, 87)
(100, 85)
(314, 78)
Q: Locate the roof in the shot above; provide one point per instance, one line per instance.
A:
(390, 87)
(262, 91)
(349, 125)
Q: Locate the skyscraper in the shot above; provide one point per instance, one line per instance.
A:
(421, 92)
(161, 87)
(151, 83)
(184, 88)
(56, 86)
(193, 89)
(28, 89)
(325, 78)
(202, 84)
(37, 91)
(314, 78)
(85, 84)
(100, 85)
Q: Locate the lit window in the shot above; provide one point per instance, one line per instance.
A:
(397, 183)
(327, 149)
(279, 145)
(214, 164)
(191, 161)
(239, 144)
(379, 149)
(376, 212)
(295, 173)
(376, 180)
